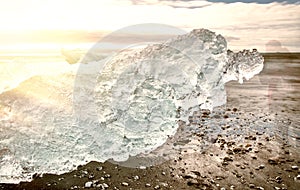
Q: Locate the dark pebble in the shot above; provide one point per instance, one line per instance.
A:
(192, 182)
(273, 161)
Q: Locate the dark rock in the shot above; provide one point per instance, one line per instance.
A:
(251, 185)
(261, 166)
(224, 163)
(193, 182)
(35, 176)
(237, 150)
(273, 161)
(197, 173)
(227, 159)
(288, 170)
(248, 145)
(278, 179)
(253, 138)
(295, 167)
(190, 176)
(230, 152)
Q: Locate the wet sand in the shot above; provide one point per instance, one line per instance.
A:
(237, 156)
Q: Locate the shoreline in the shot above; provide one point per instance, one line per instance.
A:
(261, 161)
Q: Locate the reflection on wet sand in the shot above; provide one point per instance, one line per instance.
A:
(275, 90)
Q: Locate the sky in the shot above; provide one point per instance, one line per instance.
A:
(34, 24)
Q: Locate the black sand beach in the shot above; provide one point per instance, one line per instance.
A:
(238, 157)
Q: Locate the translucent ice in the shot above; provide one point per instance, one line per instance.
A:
(124, 105)
(139, 95)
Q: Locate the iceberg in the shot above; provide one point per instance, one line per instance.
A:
(142, 94)
(124, 105)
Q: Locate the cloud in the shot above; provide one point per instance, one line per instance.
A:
(190, 7)
(255, 1)
(193, 4)
(189, 4)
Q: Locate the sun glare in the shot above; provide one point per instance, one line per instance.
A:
(55, 15)
(20, 17)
